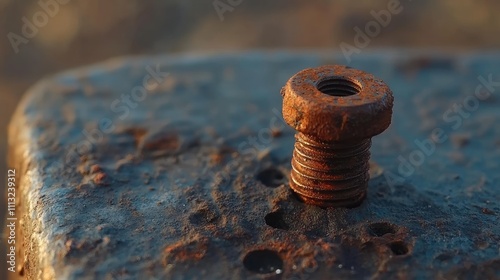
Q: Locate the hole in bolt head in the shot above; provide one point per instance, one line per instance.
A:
(271, 177)
(263, 262)
(339, 86)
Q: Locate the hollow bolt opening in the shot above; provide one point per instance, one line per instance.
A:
(339, 86)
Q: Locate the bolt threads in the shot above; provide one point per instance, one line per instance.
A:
(330, 174)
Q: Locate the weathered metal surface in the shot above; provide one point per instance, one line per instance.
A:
(190, 181)
(336, 111)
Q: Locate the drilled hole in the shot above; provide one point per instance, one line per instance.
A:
(263, 262)
(339, 86)
(398, 248)
(271, 177)
(276, 220)
(381, 229)
(203, 216)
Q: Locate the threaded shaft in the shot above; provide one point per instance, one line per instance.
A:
(333, 174)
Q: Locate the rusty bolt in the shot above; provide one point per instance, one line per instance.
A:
(335, 111)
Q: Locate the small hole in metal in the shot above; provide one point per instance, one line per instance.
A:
(271, 177)
(398, 248)
(276, 220)
(381, 229)
(263, 262)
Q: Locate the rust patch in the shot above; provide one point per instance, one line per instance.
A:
(182, 251)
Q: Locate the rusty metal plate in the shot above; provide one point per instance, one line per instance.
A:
(177, 167)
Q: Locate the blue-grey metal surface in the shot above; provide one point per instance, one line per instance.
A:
(172, 167)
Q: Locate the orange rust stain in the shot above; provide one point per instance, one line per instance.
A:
(182, 251)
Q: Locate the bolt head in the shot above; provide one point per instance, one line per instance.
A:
(311, 104)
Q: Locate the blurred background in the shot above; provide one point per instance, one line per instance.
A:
(39, 38)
